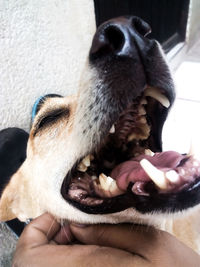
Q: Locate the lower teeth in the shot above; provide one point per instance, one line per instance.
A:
(109, 185)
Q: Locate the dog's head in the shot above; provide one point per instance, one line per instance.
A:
(111, 128)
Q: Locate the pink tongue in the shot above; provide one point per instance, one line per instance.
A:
(131, 171)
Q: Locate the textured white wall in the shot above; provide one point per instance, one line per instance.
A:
(43, 48)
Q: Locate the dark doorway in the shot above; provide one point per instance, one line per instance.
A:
(168, 18)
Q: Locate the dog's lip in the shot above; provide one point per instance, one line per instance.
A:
(145, 204)
(157, 200)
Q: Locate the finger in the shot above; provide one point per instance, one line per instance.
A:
(136, 239)
(40, 231)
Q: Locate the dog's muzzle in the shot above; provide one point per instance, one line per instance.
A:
(125, 167)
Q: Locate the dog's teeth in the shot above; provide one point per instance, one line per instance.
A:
(143, 120)
(172, 176)
(141, 110)
(105, 181)
(86, 161)
(148, 152)
(109, 185)
(114, 189)
(132, 137)
(81, 167)
(156, 94)
(112, 129)
(157, 176)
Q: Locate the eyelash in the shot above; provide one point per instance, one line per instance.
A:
(51, 118)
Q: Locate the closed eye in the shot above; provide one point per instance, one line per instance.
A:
(50, 118)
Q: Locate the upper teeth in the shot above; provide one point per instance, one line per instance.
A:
(143, 101)
(84, 164)
(141, 110)
(86, 161)
(143, 120)
(81, 167)
(112, 129)
(155, 93)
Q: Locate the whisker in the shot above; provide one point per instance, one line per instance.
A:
(50, 228)
(66, 234)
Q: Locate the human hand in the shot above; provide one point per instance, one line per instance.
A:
(41, 244)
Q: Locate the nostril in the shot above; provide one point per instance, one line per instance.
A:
(141, 26)
(115, 38)
(108, 40)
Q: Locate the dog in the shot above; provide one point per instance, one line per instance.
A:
(96, 157)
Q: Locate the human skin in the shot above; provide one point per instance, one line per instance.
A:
(45, 243)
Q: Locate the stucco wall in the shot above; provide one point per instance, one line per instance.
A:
(43, 47)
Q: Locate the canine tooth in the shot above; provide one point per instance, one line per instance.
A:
(81, 167)
(141, 110)
(157, 176)
(86, 161)
(156, 94)
(112, 129)
(172, 176)
(148, 152)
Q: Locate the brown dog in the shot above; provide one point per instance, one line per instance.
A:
(109, 129)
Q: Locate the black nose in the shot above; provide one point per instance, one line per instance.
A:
(116, 36)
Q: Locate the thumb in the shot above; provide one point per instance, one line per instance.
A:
(136, 239)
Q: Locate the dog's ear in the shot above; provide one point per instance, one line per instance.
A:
(13, 143)
(9, 199)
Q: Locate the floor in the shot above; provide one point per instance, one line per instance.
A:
(7, 245)
(180, 130)
(182, 127)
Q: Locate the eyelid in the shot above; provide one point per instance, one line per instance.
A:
(50, 118)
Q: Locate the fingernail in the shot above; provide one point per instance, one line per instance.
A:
(79, 225)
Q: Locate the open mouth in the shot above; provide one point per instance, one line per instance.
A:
(129, 169)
